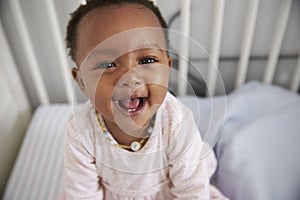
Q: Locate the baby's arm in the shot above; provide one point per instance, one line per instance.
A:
(187, 171)
(81, 179)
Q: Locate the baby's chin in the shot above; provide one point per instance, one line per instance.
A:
(135, 125)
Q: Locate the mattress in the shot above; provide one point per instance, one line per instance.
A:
(38, 170)
(257, 151)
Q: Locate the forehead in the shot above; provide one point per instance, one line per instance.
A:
(101, 24)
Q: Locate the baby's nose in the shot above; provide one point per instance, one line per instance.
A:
(131, 80)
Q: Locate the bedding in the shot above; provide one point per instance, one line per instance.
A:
(38, 170)
(257, 150)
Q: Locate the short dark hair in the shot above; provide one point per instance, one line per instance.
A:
(82, 10)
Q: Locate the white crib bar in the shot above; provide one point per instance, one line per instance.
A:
(14, 82)
(155, 2)
(82, 2)
(29, 52)
(185, 20)
(215, 46)
(247, 42)
(296, 78)
(277, 41)
(58, 40)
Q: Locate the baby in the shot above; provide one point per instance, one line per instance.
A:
(132, 139)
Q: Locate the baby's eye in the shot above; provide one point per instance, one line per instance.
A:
(104, 65)
(144, 61)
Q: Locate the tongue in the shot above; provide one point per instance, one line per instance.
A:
(131, 103)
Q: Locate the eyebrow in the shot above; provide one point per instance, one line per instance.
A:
(149, 46)
(116, 51)
(103, 51)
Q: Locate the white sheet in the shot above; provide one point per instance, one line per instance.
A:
(38, 170)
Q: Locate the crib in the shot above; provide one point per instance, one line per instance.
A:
(236, 66)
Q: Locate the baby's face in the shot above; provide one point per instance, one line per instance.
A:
(124, 67)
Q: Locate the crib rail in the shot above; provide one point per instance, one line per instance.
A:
(185, 7)
(33, 65)
(246, 45)
(296, 78)
(59, 44)
(247, 42)
(215, 46)
(277, 41)
(34, 68)
(250, 23)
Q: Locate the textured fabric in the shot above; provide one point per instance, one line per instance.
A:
(38, 170)
(257, 151)
(169, 166)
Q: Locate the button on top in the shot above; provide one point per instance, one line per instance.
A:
(135, 146)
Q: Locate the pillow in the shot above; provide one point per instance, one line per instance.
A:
(258, 147)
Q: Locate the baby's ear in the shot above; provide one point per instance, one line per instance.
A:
(77, 77)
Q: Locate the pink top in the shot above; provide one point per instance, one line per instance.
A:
(168, 166)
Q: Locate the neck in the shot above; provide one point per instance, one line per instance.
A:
(120, 136)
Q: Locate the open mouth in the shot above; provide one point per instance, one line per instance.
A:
(132, 106)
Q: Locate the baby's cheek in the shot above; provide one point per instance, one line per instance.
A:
(91, 83)
(102, 95)
(103, 105)
(157, 93)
